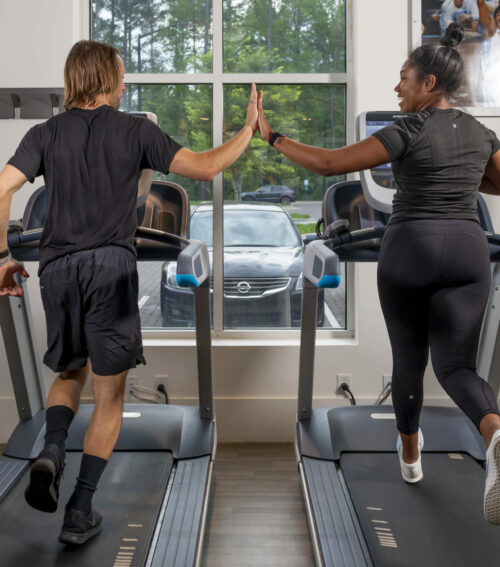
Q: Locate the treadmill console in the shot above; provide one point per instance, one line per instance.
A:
(378, 183)
(146, 177)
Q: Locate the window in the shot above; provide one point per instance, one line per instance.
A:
(192, 62)
(156, 36)
(284, 36)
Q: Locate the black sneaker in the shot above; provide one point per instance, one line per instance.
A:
(78, 528)
(42, 492)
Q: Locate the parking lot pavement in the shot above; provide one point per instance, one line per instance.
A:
(149, 293)
(311, 208)
(149, 298)
(335, 307)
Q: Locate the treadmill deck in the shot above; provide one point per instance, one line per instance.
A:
(129, 497)
(436, 523)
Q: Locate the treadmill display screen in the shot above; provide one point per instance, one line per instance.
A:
(382, 174)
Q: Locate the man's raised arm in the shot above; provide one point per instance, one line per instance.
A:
(205, 165)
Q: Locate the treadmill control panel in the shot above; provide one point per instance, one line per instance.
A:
(378, 183)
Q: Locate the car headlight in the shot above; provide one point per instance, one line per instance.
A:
(298, 285)
(172, 276)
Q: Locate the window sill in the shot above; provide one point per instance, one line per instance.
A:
(246, 338)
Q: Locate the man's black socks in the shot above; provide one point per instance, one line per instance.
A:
(91, 469)
(58, 419)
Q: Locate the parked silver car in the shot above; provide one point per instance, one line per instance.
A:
(263, 255)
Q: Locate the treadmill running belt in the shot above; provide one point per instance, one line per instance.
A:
(129, 497)
(436, 523)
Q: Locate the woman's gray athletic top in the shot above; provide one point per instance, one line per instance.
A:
(438, 159)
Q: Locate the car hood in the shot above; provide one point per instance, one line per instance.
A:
(248, 262)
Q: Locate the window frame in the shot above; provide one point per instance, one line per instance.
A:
(218, 78)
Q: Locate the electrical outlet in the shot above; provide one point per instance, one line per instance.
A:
(159, 379)
(342, 379)
(386, 379)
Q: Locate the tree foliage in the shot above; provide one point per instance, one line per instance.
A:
(264, 36)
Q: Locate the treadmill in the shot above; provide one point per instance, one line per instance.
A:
(154, 492)
(360, 511)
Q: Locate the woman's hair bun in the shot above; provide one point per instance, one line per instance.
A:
(453, 35)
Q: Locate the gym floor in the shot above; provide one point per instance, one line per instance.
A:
(256, 516)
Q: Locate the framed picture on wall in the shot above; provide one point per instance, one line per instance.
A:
(480, 49)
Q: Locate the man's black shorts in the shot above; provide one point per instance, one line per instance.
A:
(90, 302)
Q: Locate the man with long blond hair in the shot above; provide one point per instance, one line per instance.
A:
(91, 157)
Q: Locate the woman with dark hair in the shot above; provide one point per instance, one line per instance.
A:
(434, 267)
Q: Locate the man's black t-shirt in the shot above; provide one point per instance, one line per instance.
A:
(438, 159)
(91, 161)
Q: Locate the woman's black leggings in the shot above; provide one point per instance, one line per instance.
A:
(434, 280)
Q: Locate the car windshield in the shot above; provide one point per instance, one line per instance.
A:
(248, 228)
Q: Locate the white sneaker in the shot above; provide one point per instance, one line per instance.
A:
(492, 488)
(411, 472)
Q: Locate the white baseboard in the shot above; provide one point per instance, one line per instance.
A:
(239, 420)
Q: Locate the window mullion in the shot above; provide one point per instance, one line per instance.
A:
(218, 196)
(169, 78)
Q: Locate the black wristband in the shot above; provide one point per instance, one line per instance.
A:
(4, 253)
(273, 137)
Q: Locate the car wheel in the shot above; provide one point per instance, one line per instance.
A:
(285, 200)
(247, 199)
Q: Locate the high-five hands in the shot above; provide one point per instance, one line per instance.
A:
(256, 118)
(252, 112)
(264, 128)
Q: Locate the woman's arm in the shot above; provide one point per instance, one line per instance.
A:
(490, 183)
(363, 155)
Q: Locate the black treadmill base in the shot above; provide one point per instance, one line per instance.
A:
(129, 497)
(437, 523)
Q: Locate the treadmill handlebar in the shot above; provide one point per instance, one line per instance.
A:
(493, 238)
(161, 236)
(16, 236)
(346, 237)
(355, 236)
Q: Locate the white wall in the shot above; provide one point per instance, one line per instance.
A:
(255, 385)
(35, 38)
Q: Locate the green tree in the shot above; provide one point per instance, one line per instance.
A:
(311, 114)
(296, 36)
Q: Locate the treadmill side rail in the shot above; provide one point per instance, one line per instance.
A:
(334, 526)
(10, 472)
(488, 360)
(180, 537)
(20, 347)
